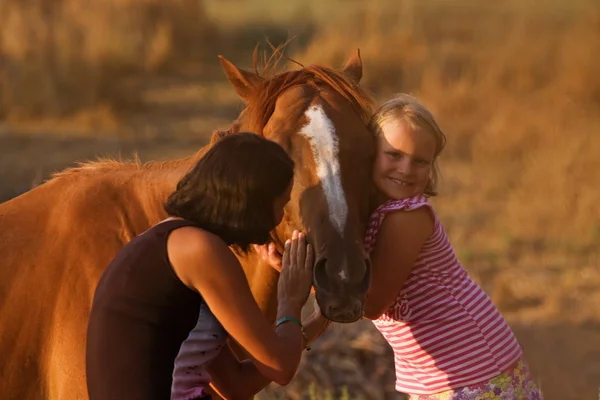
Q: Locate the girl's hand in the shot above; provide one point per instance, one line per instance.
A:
(316, 324)
(270, 255)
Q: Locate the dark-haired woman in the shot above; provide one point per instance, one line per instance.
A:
(180, 276)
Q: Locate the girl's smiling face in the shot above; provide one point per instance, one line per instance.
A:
(404, 160)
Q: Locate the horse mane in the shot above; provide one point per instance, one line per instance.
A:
(135, 164)
(109, 163)
(259, 109)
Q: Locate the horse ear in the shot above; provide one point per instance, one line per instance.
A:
(353, 67)
(245, 83)
(219, 134)
(216, 136)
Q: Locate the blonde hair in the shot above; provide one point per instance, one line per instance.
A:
(409, 110)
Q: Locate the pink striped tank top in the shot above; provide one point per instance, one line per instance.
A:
(445, 331)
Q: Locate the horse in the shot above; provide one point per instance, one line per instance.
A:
(57, 239)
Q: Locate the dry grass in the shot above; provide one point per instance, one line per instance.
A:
(515, 86)
(62, 56)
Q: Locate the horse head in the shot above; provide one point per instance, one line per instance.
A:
(319, 115)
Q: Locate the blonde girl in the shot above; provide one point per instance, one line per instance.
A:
(449, 340)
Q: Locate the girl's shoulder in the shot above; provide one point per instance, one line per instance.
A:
(408, 203)
(391, 206)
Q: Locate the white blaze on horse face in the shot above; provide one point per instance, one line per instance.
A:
(324, 142)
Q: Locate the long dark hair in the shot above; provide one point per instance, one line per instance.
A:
(232, 189)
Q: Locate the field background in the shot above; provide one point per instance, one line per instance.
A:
(514, 84)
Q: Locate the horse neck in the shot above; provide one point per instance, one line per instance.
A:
(149, 189)
(262, 277)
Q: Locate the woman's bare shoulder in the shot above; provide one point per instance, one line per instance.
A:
(190, 249)
(192, 240)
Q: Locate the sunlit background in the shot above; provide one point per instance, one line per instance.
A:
(514, 84)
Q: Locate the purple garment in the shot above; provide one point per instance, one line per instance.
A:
(203, 344)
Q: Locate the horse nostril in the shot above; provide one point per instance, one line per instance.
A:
(320, 278)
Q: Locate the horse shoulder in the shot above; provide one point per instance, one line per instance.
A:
(42, 286)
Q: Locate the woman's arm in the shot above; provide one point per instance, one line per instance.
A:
(204, 262)
(315, 325)
(235, 379)
(399, 242)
